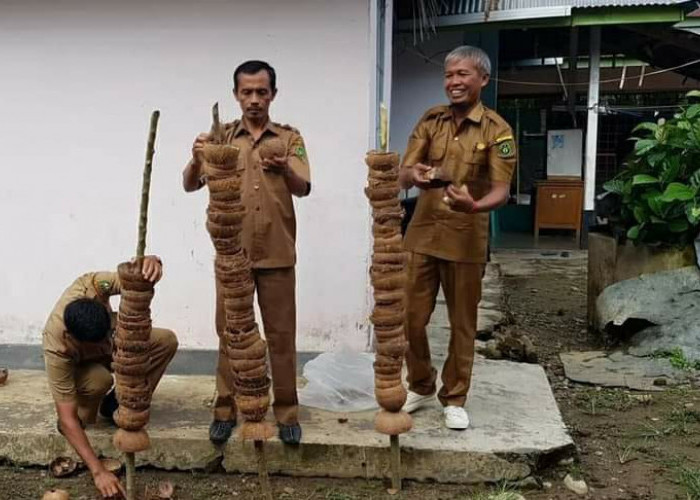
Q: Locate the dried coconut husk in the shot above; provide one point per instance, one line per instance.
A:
(389, 281)
(225, 217)
(387, 241)
(253, 408)
(240, 320)
(373, 184)
(131, 442)
(387, 384)
(234, 276)
(387, 318)
(388, 203)
(223, 230)
(396, 347)
(137, 285)
(252, 391)
(389, 298)
(234, 196)
(256, 431)
(381, 160)
(254, 351)
(259, 371)
(131, 420)
(137, 299)
(132, 346)
(390, 335)
(132, 381)
(386, 377)
(225, 206)
(228, 185)
(239, 304)
(382, 193)
(387, 369)
(242, 338)
(380, 270)
(389, 258)
(223, 156)
(62, 467)
(271, 148)
(130, 370)
(383, 175)
(131, 272)
(389, 214)
(121, 357)
(244, 289)
(137, 335)
(242, 365)
(391, 399)
(227, 246)
(393, 423)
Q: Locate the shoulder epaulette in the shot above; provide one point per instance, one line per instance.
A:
(286, 127)
(434, 112)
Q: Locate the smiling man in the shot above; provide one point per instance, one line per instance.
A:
(274, 167)
(462, 158)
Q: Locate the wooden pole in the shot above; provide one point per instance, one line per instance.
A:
(262, 470)
(395, 463)
(217, 123)
(130, 476)
(146, 187)
(140, 252)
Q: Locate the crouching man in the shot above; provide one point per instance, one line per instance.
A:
(77, 343)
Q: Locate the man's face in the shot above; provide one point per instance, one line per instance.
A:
(463, 82)
(254, 95)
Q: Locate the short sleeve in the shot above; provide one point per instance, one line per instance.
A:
(106, 283)
(502, 155)
(418, 144)
(298, 157)
(60, 371)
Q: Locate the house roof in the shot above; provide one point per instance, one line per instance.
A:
(455, 7)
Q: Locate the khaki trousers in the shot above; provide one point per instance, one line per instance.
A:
(461, 284)
(276, 298)
(94, 380)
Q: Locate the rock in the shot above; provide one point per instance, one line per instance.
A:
(529, 483)
(509, 344)
(547, 485)
(618, 369)
(598, 453)
(662, 309)
(577, 486)
(566, 461)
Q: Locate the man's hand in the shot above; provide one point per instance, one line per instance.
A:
(277, 164)
(419, 175)
(152, 269)
(198, 148)
(459, 198)
(108, 484)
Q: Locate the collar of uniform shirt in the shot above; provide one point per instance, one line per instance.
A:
(269, 127)
(474, 115)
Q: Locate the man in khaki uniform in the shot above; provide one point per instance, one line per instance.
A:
(77, 344)
(269, 237)
(468, 151)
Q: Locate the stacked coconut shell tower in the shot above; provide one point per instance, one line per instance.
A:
(388, 280)
(245, 348)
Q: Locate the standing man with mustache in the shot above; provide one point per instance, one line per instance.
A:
(274, 167)
(468, 152)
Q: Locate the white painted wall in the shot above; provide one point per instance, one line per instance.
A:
(79, 79)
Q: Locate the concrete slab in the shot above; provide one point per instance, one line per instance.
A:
(514, 414)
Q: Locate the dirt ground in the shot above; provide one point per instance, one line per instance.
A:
(630, 445)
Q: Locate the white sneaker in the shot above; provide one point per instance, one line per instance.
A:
(456, 418)
(415, 401)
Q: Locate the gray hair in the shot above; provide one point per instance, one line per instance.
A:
(480, 58)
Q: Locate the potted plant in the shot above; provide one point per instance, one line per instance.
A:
(657, 214)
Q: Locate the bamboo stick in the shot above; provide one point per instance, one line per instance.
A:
(146, 187)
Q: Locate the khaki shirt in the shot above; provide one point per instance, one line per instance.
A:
(269, 227)
(63, 353)
(479, 152)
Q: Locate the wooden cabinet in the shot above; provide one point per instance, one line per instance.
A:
(559, 205)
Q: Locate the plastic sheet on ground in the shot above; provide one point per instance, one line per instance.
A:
(341, 381)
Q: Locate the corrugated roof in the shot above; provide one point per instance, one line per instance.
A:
(455, 7)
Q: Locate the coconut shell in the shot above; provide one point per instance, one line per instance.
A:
(113, 465)
(272, 147)
(387, 318)
(392, 423)
(256, 431)
(383, 175)
(380, 160)
(254, 351)
(234, 216)
(124, 358)
(389, 258)
(384, 297)
(228, 185)
(56, 494)
(221, 155)
(391, 399)
(390, 282)
(242, 365)
(227, 246)
(131, 420)
(379, 194)
(133, 335)
(132, 346)
(63, 467)
(244, 289)
(131, 442)
(395, 348)
(387, 384)
(223, 231)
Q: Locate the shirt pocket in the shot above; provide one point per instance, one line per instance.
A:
(476, 166)
(438, 148)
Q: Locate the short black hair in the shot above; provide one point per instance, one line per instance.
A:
(87, 320)
(252, 67)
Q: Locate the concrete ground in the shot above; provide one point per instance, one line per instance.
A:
(515, 423)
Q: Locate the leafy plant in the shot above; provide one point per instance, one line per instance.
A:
(660, 186)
